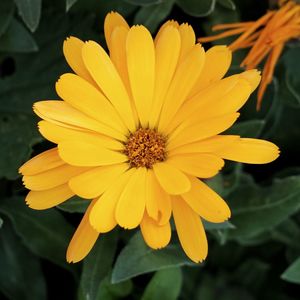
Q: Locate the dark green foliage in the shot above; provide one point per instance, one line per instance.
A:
(253, 256)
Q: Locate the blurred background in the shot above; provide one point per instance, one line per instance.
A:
(254, 256)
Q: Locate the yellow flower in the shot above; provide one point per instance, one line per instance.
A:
(135, 131)
(266, 37)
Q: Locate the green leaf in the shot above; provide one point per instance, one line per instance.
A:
(217, 226)
(21, 276)
(34, 79)
(165, 284)
(292, 273)
(291, 61)
(221, 15)
(109, 291)
(250, 129)
(46, 233)
(288, 233)
(197, 8)
(75, 205)
(263, 208)
(151, 16)
(97, 265)
(1, 222)
(6, 15)
(216, 183)
(17, 132)
(144, 2)
(292, 94)
(30, 12)
(137, 258)
(251, 273)
(227, 4)
(70, 3)
(17, 39)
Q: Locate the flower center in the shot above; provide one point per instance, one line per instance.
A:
(145, 147)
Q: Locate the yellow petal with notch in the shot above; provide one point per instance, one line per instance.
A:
(156, 236)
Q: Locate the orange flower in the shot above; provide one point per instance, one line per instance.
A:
(265, 37)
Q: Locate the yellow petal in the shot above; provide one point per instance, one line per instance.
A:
(206, 203)
(158, 202)
(154, 235)
(93, 183)
(86, 98)
(141, 70)
(202, 130)
(251, 151)
(42, 162)
(201, 165)
(48, 198)
(118, 56)
(72, 51)
(209, 145)
(51, 178)
(83, 239)
(167, 51)
(58, 134)
(153, 191)
(63, 114)
(229, 103)
(217, 63)
(82, 153)
(172, 180)
(184, 78)
(113, 20)
(102, 216)
(190, 230)
(224, 104)
(253, 77)
(162, 28)
(131, 205)
(108, 79)
(188, 39)
(164, 208)
(205, 97)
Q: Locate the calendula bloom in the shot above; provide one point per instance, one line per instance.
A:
(134, 132)
(265, 37)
